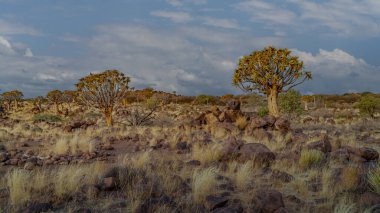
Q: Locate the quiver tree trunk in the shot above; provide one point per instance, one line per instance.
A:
(108, 116)
(272, 103)
(306, 106)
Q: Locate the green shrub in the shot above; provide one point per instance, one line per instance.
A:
(290, 102)
(263, 111)
(46, 118)
(205, 99)
(368, 105)
(374, 180)
(311, 158)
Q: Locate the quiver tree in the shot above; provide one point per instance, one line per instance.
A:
(69, 97)
(12, 96)
(270, 71)
(37, 102)
(103, 91)
(55, 97)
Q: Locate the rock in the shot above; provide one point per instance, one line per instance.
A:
(259, 133)
(4, 193)
(257, 152)
(213, 202)
(282, 176)
(323, 145)
(229, 209)
(231, 115)
(193, 163)
(282, 210)
(224, 117)
(234, 105)
(3, 156)
(230, 148)
(82, 210)
(340, 155)
(38, 207)
(268, 201)
(149, 204)
(211, 119)
(215, 111)
(2, 147)
(181, 146)
(14, 161)
(368, 153)
(109, 183)
(270, 119)
(282, 124)
(29, 166)
(257, 122)
(29, 152)
(369, 199)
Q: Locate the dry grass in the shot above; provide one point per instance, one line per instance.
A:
(77, 143)
(244, 175)
(241, 122)
(345, 206)
(19, 187)
(374, 179)
(203, 184)
(311, 158)
(206, 154)
(349, 177)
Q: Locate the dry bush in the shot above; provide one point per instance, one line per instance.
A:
(203, 184)
(311, 158)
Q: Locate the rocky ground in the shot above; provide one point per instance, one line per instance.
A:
(191, 159)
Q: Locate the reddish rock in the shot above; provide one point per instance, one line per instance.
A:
(257, 122)
(323, 145)
(257, 152)
(211, 119)
(369, 199)
(268, 201)
(282, 124)
(109, 183)
(282, 176)
(368, 153)
(213, 202)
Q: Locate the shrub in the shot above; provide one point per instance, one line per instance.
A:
(311, 158)
(374, 180)
(263, 111)
(290, 102)
(47, 118)
(369, 105)
(205, 99)
(203, 184)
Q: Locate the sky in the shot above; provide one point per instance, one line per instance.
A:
(188, 46)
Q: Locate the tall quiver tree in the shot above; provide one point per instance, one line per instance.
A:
(55, 97)
(103, 91)
(270, 71)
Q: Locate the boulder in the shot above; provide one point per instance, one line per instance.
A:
(109, 183)
(368, 153)
(282, 176)
(257, 152)
(268, 201)
(323, 145)
(282, 124)
(369, 199)
(230, 148)
(234, 105)
(213, 202)
(3, 156)
(211, 119)
(38, 207)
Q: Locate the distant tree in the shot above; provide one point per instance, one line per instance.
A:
(306, 99)
(369, 105)
(12, 96)
(55, 97)
(69, 97)
(103, 91)
(290, 102)
(270, 71)
(204, 99)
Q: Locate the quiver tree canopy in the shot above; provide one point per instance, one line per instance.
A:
(103, 90)
(269, 71)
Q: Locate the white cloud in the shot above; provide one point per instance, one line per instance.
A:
(178, 17)
(224, 23)
(339, 71)
(7, 28)
(336, 17)
(184, 2)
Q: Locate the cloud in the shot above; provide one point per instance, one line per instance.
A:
(346, 18)
(7, 28)
(184, 2)
(223, 23)
(34, 75)
(337, 71)
(177, 17)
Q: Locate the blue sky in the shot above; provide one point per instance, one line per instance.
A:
(188, 46)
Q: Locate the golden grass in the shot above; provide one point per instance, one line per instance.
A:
(311, 158)
(73, 144)
(374, 179)
(345, 206)
(244, 175)
(241, 122)
(203, 184)
(18, 182)
(206, 154)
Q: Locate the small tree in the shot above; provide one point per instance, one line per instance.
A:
(12, 96)
(69, 97)
(369, 105)
(55, 97)
(290, 102)
(103, 91)
(270, 71)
